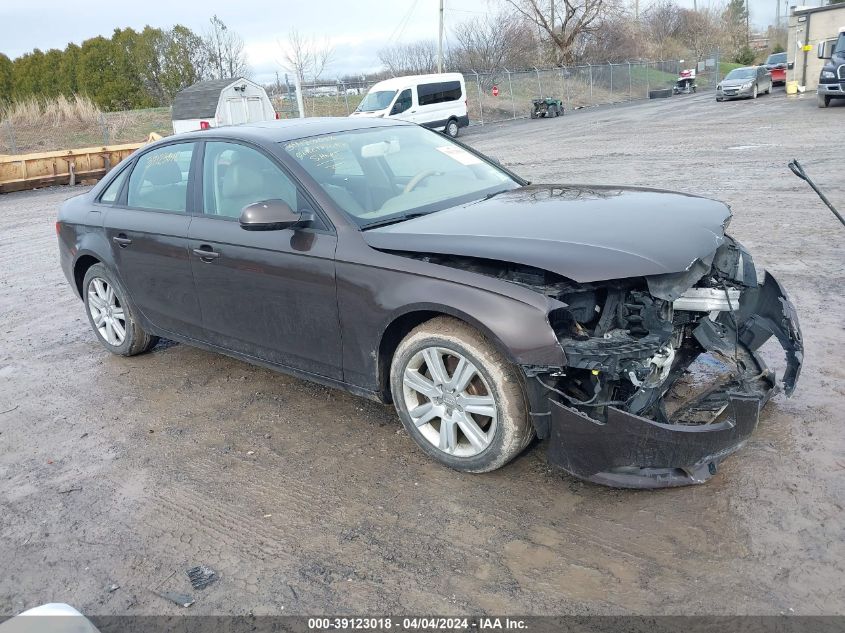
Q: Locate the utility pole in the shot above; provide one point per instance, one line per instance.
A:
(747, 24)
(440, 42)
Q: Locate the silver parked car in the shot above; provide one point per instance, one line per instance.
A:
(744, 83)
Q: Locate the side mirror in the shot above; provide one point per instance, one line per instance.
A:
(272, 215)
(824, 50)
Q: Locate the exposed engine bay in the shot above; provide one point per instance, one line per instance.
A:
(662, 379)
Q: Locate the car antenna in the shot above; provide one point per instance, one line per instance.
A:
(798, 170)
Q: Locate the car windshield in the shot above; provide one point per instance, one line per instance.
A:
(742, 73)
(777, 58)
(375, 101)
(391, 173)
(840, 44)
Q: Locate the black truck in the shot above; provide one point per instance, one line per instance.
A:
(832, 77)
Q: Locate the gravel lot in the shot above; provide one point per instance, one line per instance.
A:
(128, 471)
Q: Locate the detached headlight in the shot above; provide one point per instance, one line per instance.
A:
(828, 74)
(746, 86)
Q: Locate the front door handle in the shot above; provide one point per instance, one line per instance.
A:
(206, 254)
(121, 240)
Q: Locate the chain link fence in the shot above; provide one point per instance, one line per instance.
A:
(504, 94)
(492, 96)
(25, 132)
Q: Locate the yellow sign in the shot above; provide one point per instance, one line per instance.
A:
(807, 48)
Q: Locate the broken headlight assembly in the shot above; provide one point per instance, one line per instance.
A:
(663, 379)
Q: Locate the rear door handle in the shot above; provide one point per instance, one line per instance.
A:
(206, 254)
(121, 240)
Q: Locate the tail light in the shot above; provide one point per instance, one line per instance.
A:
(58, 228)
(278, 115)
(205, 125)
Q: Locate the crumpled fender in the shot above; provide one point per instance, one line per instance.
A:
(766, 311)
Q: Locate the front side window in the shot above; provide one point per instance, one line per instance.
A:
(235, 176)
(406, 170)
(159, 180)
(403, 102)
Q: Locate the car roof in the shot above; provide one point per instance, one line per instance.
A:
(291, 129)
(409, 80)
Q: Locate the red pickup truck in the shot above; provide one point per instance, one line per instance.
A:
(776, 65)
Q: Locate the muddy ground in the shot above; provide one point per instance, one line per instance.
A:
(307, 500)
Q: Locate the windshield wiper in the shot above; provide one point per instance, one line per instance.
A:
(393, 220)
(495, 193)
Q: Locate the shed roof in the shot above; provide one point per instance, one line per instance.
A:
(200, 100)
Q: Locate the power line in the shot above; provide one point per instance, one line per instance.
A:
(403, 23)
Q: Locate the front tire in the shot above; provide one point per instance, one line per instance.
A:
(452, 128)
(754, 93)
(111, 315)
(459, 399)
(823, 101)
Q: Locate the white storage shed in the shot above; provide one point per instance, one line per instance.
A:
(220, 102)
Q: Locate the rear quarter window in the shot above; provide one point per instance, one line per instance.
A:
(439, 92)
(112, 192)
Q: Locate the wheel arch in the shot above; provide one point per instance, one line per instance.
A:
(80, 268)
(403, 322)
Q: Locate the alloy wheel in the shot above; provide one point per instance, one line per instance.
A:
(106, 311)
(449, 402)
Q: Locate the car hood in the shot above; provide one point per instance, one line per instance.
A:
(583, 233)
(735, 83)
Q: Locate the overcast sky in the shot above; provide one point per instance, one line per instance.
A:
(357, 28)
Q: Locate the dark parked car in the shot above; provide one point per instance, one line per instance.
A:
(744, 83)
(776, 66)
(385, 259)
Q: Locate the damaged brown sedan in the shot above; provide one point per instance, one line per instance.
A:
(620, 325)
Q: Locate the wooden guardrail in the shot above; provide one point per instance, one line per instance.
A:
(62, 167)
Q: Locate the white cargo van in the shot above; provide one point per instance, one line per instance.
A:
(435, 101)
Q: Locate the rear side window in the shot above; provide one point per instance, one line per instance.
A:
(159, 180)
(439, 92)
(113, 190)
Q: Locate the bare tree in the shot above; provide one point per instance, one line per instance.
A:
(662, 23)
(414, 58)
(498, 40)
(701, 31)
(616, 38)
(305, 56)
(564, 22)
(226, 51)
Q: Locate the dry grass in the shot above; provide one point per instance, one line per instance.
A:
(35, 125)
(78, 110)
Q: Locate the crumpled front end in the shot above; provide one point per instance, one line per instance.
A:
(663, 377)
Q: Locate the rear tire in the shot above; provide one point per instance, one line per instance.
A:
(444, 414)
(452, 128)
(111, 315)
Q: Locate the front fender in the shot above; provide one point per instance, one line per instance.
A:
(370, 299)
